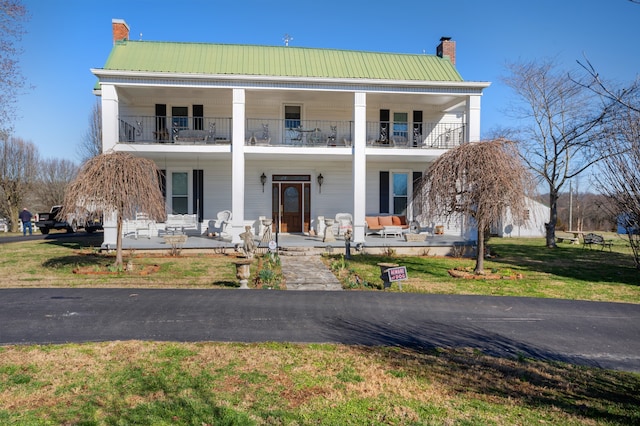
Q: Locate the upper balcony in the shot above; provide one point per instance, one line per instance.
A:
(289, 133)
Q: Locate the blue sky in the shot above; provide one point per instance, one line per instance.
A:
(65, 38)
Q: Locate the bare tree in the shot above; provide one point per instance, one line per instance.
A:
(621, 96)
(53, 177)
(116, 183)
(91, 144)
(482, 181)
(13, 15)
(561, 132)
(18, 171)
(619, 175)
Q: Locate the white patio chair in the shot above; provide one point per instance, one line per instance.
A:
(221, 225)
(343, 222)
(143, 224)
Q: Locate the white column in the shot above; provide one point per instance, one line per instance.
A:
(109, 117)
(473, 118)
(359, 165)
(109, 140)
(237, 165)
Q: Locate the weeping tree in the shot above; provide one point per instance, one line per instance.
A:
(116, 183)
(482, 181)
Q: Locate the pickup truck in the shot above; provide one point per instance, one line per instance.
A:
(50, 220)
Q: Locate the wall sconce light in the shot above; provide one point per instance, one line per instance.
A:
(320, 180)
(263, 180)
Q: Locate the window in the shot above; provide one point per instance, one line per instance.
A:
(180, 192)
(400, 125)
(400, 193)
(180, 118)
(292, 116)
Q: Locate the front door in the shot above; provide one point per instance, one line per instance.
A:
(291, 203)
(291, 196)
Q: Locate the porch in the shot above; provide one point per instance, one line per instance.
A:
(433, 245)
(288, 133)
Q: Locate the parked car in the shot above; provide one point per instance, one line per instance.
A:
(51, 220)
(4, 225)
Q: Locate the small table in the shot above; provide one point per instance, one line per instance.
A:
(391, 230)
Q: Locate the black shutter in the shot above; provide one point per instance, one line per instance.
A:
(417, 128)
(417, 179)
(384, 192)
(161, 117)
(417, 199)
(384, 125)
(198, 114)
(198, 193)
(162, 179)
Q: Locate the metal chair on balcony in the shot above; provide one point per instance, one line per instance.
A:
(161, 135)
(294, 136)
(331, 139)
(263, 138)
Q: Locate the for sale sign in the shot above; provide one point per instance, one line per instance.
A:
(397, 274)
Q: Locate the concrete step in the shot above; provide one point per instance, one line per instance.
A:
(301, 251)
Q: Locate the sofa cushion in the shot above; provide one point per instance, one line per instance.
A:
(400, 221)
(385, 220)
(372, 222)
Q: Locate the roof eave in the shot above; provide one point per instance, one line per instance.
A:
(102, 73)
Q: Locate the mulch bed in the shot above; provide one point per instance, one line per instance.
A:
(467, 273)
(136, 270)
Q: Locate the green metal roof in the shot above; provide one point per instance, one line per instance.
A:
(276, 61)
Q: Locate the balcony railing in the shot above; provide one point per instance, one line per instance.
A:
(160, 129)
(289, 132)
(302, 133)
(420, 135)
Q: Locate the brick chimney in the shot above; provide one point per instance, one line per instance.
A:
(447, 48)
(120, 30)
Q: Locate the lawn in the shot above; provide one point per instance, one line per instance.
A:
(529, 269)
(526, 267)
(153, 383)
(133, 382)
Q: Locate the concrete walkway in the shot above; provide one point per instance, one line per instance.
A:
(308, 273)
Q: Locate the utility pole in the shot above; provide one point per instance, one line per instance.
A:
(570, 206)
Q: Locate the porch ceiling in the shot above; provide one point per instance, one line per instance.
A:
(439, 101)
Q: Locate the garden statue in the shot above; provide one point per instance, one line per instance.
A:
(347, 243)
(249, 246)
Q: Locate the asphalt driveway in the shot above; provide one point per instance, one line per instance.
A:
(587, 333)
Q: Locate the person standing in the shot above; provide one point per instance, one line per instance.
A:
(25, 216)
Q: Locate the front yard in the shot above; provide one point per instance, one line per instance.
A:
(527, 267)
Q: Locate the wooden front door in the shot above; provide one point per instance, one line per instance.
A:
(290, 198)
(290, 201)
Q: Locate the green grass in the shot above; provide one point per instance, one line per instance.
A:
(527, 268)
(150, 383)
(569, 271)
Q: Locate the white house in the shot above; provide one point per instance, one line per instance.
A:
(281, 132)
